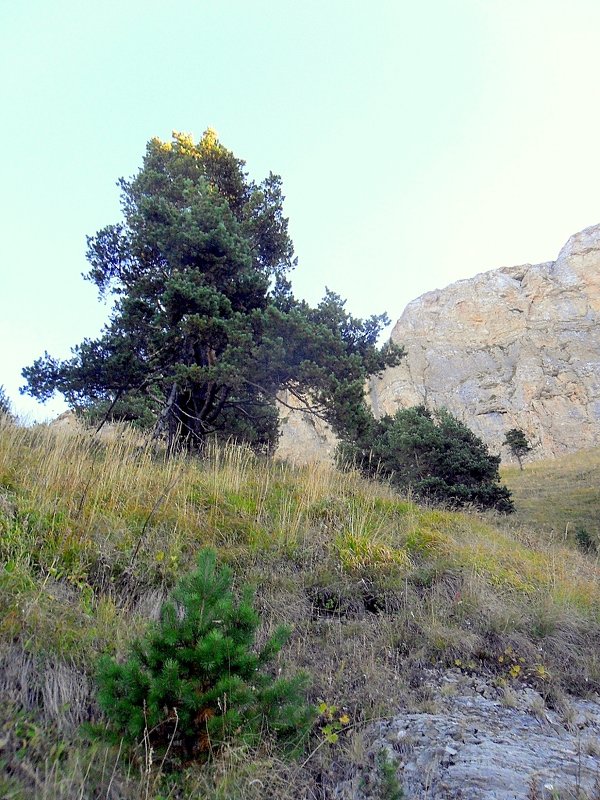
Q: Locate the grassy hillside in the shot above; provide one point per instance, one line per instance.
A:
(93, 535)
(560, 497)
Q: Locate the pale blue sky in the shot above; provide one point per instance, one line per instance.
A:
(418, 142)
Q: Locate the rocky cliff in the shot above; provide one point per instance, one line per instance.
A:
(514, 347)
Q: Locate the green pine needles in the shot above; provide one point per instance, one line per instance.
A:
(195, 680)
(432, 454)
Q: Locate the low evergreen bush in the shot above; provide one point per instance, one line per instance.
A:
(431, 454)
(585, 541)
(195, 680)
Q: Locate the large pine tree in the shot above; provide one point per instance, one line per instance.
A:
(204, 329)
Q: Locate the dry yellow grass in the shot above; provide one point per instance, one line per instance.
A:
(558, 496)
(93, 533)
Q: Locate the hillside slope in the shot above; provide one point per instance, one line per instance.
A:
(559, 498)
(385, 597)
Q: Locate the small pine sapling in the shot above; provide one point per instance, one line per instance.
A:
(585, 540)
(518, 444)
(195, 679)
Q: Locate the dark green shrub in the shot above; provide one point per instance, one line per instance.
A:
(585, 540)
(433, 455)
(390, 786)
(195, 679)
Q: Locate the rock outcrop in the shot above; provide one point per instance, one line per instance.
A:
(480, 742)
(516, 347)
(304, 437)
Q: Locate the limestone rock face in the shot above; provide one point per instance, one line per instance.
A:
(304, 437)
(514, 347)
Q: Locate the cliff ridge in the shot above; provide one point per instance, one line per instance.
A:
(513, 347)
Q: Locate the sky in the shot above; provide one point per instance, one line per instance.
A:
(419, 143)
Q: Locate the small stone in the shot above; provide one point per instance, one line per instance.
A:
(394, 736)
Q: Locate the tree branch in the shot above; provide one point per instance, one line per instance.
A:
(110, 408)
(315, 410)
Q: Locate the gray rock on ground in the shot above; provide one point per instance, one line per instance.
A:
(478, 747)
